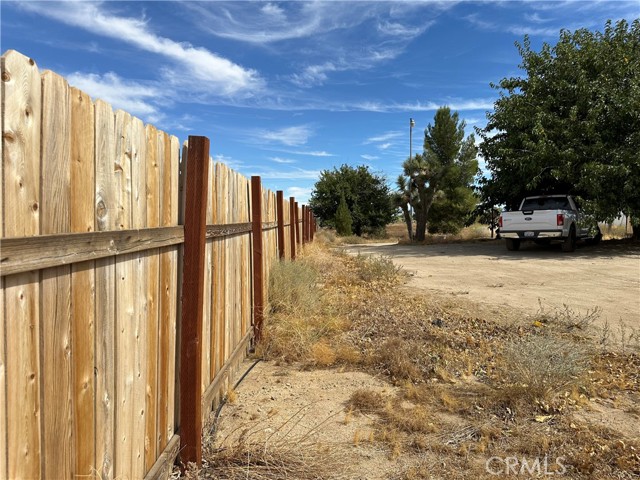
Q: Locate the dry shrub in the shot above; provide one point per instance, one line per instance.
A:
(366, 401)
(413, 419)
(396, 357)
(266, 454)
(293, 288)
(566, 318)
(539, 367)
(292, 338)
(374, 268)
(325, 236)
(323, 354)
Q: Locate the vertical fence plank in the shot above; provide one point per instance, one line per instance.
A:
(169, 427)
(83, 281)
(297, 222)
(167, 317)
(207, 305)
(292, 220)
(126, 304)
(105, 280)
(217, 276)
(140, 265)
(258, 290)
(21, 101)
(192, 299)
(153, 272)
(3, 355)
(280, 208)
(55, 288)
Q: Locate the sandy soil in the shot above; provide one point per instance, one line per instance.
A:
(606, 276)
(272, 398)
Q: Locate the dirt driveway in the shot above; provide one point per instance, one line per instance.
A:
(606, 276)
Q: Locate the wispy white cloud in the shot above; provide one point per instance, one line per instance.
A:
(384, 146)
(229, 161)
(313, 153)
(290, 174)
(137, 98)
(314, 75)
(384, 137)
(454, 104)
(282, 160)
(188, 65)
(289, 136)
(324, 29)
(302, 194)
(369, 157)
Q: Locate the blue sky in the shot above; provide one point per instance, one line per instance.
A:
(287, 89)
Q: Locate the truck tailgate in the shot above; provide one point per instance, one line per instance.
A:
(536, 220)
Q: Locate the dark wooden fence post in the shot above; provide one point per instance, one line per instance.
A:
(258, 287)
(298, 240)
(292, 226)
(280, 213)
(192, 301)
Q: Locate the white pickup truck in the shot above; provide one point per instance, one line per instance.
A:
(547, 218)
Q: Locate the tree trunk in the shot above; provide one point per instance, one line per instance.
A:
(407, 220)
(635, 231)
(426, 200)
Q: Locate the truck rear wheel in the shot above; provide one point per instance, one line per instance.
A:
(569, 244)
(513, 244)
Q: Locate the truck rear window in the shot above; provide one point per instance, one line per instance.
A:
(550, 203)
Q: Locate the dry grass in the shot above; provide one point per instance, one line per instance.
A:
(470, 388)
(258, 453)
(474, 232)
(536, 369)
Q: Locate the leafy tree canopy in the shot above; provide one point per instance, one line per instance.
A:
(571, 124)
(367, 197)
(439, 181)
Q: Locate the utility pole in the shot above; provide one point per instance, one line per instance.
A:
(412, 124)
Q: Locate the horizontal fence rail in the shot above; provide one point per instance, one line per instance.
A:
(109, 364)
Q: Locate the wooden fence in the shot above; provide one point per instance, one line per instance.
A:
(123, 272)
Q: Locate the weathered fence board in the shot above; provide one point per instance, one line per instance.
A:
(83, 281)
(92, 203)
(56, 375)
(21, 120)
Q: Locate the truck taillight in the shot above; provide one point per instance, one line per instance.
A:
(560, 219)
(500, 221)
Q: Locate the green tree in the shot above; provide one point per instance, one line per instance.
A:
(449, 213)
(367, 195)
(571, 124)
(444, 172)
(342, 219)
(402, 200)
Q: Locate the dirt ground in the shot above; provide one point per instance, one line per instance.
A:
(293, 404)
(606, 276)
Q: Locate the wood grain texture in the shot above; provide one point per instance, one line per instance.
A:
(292, 227)
(125, 461)
(24, 254)
(153, 290)
(55, 293)
(21, 121)
(167, 316)
(83, 281)
(176, 259)
(163, 466)
(192, 300)
(105, 296)
(258, 264)
(141, 262)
